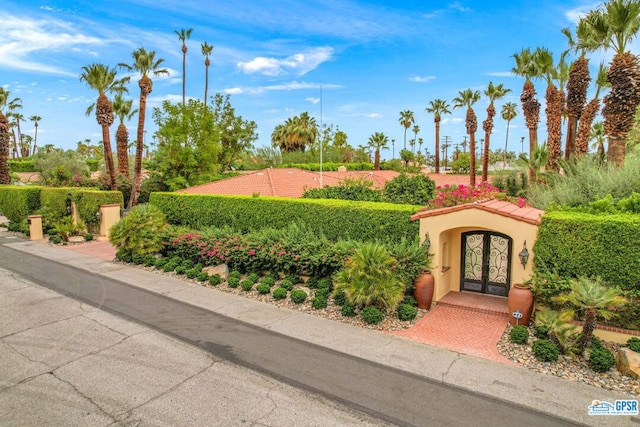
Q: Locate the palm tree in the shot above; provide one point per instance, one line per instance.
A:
(295, 134)
(406, 120)
(103, 79)
(17, 119)
(613, 26)
(590, 111)
(438, 107)
(123, 110)
(509, 112)
(420, 142)
(416, 130)
(5, 139)
(467, 98)
(526, 67)
(378, 141)
(12, 106)
(206, 51)
(597, 136)
(183, 36)
(493, 93)
(35, 120)
(144, 63)
(596, 300)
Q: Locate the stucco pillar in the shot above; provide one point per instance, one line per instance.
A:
(35, 227)
(109, 215)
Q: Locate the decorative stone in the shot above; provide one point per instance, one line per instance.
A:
(222, 270)
(76, 239)
(628, 362)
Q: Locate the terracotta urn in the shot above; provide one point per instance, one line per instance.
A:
(520, 302)
(424, 287)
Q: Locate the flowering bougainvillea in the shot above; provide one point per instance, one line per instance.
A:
(452, 195)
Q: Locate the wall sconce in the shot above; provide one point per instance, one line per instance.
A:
(524, 255)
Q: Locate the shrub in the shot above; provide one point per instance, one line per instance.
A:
(312, 283)
(192, 273)
(545, 350)
(287, 284)
(339, 298)
(149, 261)
(298, 296)
(263, 288)
(269, 281)
(323, 292)
(325, 283)
(215, 279)
(280, 293)
(541, 332)
(348, 310)
(411, 300)
(601, 359)
(235, 273)
(141, 231)
(372, 315)
(170, 266)
(407, 312)
(519, 334)
(293, 278)
(203, 276)
(88, 237)
(634, 344)
(319, 302)
(160, 262)
(411, 190)
(233, 281)
(180, 270)
(253, 277)
(247, 285)
(187, 263)
(349, 189)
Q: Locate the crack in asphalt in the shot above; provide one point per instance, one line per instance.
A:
(103, 411)
(458, 356)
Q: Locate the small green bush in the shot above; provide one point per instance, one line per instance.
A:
(325, 283)
(233, 281)
(411, 300)
(294, 278)
(287, 284)
(634, 344)
(339, 298)
(298, 296)
(519, 334)
(263, 288)
(280, 293)
(254, 277)
(545, 350)
(235, 273)
(601, 359)
(319, 302)
(88, 237)
(312, 283)
(215, 279)
(56, 240)
(141, 231)
(348, 310)
(187, 263)
(247, 285)
(160, 262)
(137, 259)
(149, 261)
(203, 276)
(192, 273)
(323, 292)
(269, 281)
(372, 315)
(407, 312)
(181, 269)
(170, 266)
(541, 332)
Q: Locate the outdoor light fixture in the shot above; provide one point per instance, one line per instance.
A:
(524, 255)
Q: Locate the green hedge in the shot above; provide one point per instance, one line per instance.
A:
(16, 203)
(328, 166)
(21, 165)
(88, 202)
(582, 244)
(363, 221)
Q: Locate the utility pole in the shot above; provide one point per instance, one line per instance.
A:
(446, 142)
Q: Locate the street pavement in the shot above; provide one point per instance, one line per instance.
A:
(65, 362)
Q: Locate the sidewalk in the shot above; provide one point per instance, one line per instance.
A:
(501, 381)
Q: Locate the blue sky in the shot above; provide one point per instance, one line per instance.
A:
(373, 59)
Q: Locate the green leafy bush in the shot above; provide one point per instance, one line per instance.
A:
(141, 231)
(247, 284)
(293, 278)
(601, 359)
(348, 310)
(253, 277)
(545, 350)
(323, 292)
(519, 334)
(235, 273)
(149, 261)
(298, 296)
(181, 270)
(203, 276)
(407, 312)
(541, 332)
(634, 344)
(339, 298)
(194, 272)
(312, 282)
(280, 293)
(287, 284)
(263, 288)
(348, 189)
(319, 302)
(411, 190)
(325, 283)
(187, 263)
(160, 262)
(372, 315)
(215, 279)
(16, 203)
(233, 281)
(269, 281)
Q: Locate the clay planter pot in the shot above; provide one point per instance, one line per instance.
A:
(520, 299)
(424, 286)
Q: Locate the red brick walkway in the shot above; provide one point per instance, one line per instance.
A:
(102, 250)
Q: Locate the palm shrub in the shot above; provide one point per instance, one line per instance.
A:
(369, 278)
(558, 327)
(140, 232)
(596, 300)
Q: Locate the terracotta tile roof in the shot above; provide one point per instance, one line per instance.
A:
(500, 207)
(292, 182)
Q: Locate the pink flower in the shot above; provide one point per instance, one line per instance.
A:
(252, 252)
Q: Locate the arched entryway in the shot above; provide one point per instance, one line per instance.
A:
(486, 262)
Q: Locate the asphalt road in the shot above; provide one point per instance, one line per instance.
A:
(392, 395)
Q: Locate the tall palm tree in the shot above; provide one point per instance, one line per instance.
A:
(416, 131)
(5, 139)
(508, 113)
(577, 85)
(145, 63)
(613, 26)
(467, 98)
(406, 120)
(103, 79)
(590, 111)
(206, 51)
(438, 107)
(378, 141)
(296, 133)
(36, 122)
(183, 36)
(493, 93)
(526, 67)
(124, 111)
(597, 136)
(17, 119)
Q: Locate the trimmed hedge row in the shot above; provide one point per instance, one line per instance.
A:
(16, 203)
(21, 166)
(605, 245)
(328, 166)
(335, 219)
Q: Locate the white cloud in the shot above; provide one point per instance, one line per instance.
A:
(500, 74)
(574, 15)
(298, 64)
(294, 85)
(453, 120)
(459, 7)
(421, 79)
(233, 91)
(312, 100)
(374, 115)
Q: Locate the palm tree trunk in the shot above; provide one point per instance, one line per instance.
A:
(35, 140)
(533, 142)
(584, 128)
(122, 143)
(572, 131)
(5, 147)
(472, 159)
(145, 89)
(437, 122)
(376, 164)
(184, 73)
(108, 156)
(506, 141)
(555, 103)
(616, 149)
(587, 329)
(206, 84)
(485, 158)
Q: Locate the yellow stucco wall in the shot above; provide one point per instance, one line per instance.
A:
(445, 233)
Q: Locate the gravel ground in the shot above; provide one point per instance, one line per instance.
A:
(574, 369)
